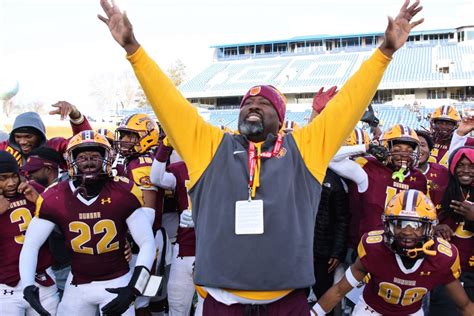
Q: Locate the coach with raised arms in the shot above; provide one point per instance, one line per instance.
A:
(255, 193)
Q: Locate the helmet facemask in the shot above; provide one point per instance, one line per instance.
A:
(407, 246)
(127, 148)
(398, 160)
(442, 135)
(88, 171)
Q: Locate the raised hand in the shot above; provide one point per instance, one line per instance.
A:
(399, 28)
(323, 97)
(64, 109)
(119, 26)
(466, 126)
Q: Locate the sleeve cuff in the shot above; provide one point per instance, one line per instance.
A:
(133, 58)
(78, 121)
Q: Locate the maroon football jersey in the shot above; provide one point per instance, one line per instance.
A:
(463, 239)
(94, 230)
(382, 188)
(393, 289)
(437, 177)
(138, 170)
(186, 236)
(14, 223)
(439, 154)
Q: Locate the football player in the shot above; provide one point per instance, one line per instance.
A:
(135, 138)
(94, 212)
(173, 177)
(17, 208)
(443, 121)
(437, 176)
(413, 263)
(457, 223)
(379, 179)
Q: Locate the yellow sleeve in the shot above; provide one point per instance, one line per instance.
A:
(361, 249)
(135, 190)
(39, 203)
(361, 161)
(456, 266)
(319, 141)
(195, 140)
(141, 176)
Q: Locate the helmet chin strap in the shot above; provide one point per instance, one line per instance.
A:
(413, 253)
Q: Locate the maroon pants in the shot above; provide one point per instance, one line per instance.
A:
(293, 304)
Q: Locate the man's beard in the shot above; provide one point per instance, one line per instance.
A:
(249, 129)
(44, 181)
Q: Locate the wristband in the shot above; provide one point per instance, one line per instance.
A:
(350, 278)
(78, 120)
(140, 278)
(318, 309)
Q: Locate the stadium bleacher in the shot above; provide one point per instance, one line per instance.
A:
(414, 63)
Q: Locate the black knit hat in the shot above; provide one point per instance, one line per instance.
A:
(427, 136)
(8, 163)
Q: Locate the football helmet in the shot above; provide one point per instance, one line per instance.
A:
(109, 135)
(144, 128)
(401, 134)
(90, 141)
(409, 208)
(357, 137)
(444, 113)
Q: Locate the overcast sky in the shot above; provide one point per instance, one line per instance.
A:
(54, 47)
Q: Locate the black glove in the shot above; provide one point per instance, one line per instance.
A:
(31, 295)
(126, 296)
(369, 117)
(378, 151)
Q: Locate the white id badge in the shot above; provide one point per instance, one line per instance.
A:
(249, 217)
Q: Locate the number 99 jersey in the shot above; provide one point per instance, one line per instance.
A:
(94, 230)
(393, 289)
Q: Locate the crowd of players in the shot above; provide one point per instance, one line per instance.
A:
(408, 207)
(85, 221)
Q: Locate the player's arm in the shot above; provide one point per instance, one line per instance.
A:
(354, 274)
(460, 298)
(351, 170)
(159, 176)
(142, 234)
(78, 121)
(36, 234)
(347, 151)
(461, 134)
